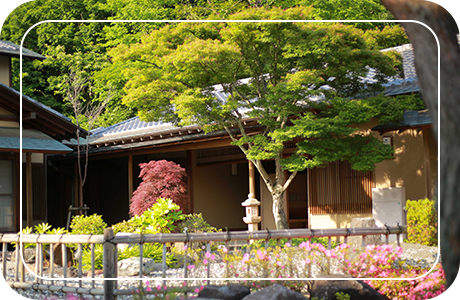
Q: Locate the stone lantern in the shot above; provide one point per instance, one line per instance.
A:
(252, 212)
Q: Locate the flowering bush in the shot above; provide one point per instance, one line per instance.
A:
(431, 286)
(308, 259)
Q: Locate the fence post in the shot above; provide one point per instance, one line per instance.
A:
(109, 264)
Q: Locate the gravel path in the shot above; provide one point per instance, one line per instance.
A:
(413, 254)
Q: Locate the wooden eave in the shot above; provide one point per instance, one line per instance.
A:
(37, 117)
(401, 129)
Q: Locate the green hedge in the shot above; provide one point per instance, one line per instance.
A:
(422, 222)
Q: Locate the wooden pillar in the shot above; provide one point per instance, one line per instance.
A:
(426, 132)
(190, 180)
(130, 178)
(252, 179)
(29, 191)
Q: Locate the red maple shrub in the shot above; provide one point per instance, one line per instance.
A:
(160, 179)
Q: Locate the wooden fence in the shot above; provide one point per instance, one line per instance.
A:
(109, 288)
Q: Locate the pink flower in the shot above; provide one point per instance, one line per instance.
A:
(191, 267)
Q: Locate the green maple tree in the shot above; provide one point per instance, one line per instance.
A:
(272, 72)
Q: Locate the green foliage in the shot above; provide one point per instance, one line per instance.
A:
(294, 242)
(422, 222)
(350, 10)
(328, 134)
(160, 218)
(193, 57)
(153, 251)
(387, 37)
(93, 224)
(124, 226)
(195, 224)
(84, 46)
(98, 257)
(42, 228)
(338, 295)
(253, 63)
(342, 296)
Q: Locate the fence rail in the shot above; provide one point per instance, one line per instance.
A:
(109, 289)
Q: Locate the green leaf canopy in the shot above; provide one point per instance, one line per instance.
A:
(219, 74)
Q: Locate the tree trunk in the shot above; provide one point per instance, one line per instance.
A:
(276, 190)
(278, 208)
(426, 63)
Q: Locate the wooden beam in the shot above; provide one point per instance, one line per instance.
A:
(29, 116)
(10, 118)
(29, 191)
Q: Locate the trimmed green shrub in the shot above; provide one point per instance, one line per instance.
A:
(195, 224)
(160, 218)
(422, 222)
(92, 224)
(124, 226)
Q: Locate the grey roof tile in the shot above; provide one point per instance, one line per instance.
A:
(31, 140)
(11, 49)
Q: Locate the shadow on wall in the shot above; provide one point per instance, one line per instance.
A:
(407, 167)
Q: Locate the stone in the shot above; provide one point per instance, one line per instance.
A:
(358, 290)
(29, 255)
(356, 241)
(226, 292)
(130, 266)
(275, 292)
(57, 250)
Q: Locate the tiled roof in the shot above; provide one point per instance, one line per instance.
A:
(11, 49)
(32, 140)
(134, 127)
